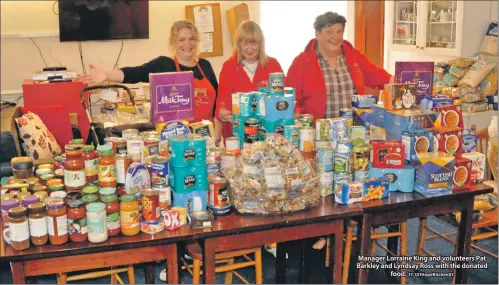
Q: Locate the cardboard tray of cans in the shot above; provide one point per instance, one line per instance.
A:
(273, 177)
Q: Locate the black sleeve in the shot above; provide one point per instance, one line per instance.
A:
(212, 77)
(141, 73)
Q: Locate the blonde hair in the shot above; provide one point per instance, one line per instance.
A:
(250, 31)
(176, 28)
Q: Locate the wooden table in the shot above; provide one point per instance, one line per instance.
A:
(116, 251)
(403, 206)
(235, 232)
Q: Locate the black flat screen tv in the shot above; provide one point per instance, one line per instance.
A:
(94, 20)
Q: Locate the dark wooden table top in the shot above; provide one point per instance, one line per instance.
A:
(414, 199)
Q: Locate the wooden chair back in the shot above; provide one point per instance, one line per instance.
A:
(482, 146)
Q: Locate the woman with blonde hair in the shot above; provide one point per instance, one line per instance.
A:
(184, 43)
(246, 70)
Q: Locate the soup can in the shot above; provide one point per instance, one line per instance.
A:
(292, 133)
(119, 145)
(251, 127)
(307, 120)
(307, 139)
(150, 205)
(233, 144)
(324, 158)
(123, 161)
(326, 182)
(159, 171)
(218, 193)
(342, 161)
(128, 133)
(165, 196)
(276, 83)
(322, 129)
(135, 148)
(151, 146)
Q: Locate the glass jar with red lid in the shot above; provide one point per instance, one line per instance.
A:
(110, 199)
(91, 158)
(77, 221)
(74, 168)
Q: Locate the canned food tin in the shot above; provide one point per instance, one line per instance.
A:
(151, 146)
(307, 139)
(307, 120)
(322, 129)
(341, 161)
(218, 195)
(338, 180)
(123, 161)
(213, 161)
(326, 182)
(359, 175)
(276, 83)
(135, 148)
(324, 158)
(150, 205)
(128, 133)
(165, 196)
(159, 171)
(251, 127)
(292, 133)
(345, 144)
(361, 157)
(235, 103)
(319, 144)
(119, 145)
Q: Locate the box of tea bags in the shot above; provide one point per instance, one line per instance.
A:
(399, 96)
(448, 140)
(434, 172)
(462, 173)
(478, 166)
(419, 141)
(449, 116)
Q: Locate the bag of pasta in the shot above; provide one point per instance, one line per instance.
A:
(274, 181)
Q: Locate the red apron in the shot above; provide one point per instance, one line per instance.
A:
(204, 97)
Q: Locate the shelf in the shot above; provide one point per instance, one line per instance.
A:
(453, 22)
(407, 22)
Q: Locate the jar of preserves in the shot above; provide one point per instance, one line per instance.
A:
(19, 228)
(42, 195)
(90, 157)
(42, 171)
(90, 198)
(6, 196)
(30, 199)
(110, 199)
(38, 223)
(57, 221)
(90, 189)
(77, 221)
(96, 222)
(121, 190)
(20, 196)
(58, 194)
(6, 205)
(57, 163)
(78, 142)
(39, 187)
(106, 166)
(129, 215)
(72, 196)
(74, 169)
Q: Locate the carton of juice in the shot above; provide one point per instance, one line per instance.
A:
(434, 172)
(462, 173)
(449, 140)
(478, 166)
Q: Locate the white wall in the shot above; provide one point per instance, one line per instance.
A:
(20, 57)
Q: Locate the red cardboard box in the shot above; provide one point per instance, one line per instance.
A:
(462, 173)
(449, 116)
(448, 140)
(388, 154)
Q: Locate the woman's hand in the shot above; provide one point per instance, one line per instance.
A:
(218, 131)
(96, 76)
(226, 115)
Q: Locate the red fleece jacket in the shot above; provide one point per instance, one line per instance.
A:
(233, 78)
(306, 77)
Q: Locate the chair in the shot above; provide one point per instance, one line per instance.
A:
(227, 259)
(375, 237)
(482, 146)
(63, 278)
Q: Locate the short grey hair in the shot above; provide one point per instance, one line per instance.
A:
(327, 19)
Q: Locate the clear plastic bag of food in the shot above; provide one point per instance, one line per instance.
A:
(275, 183)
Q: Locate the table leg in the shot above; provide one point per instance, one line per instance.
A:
(338, 254)
(353, 272)
(464, 240)
(392, 245)
(209, 262)
(280, 263)
(172, 264)
(304, 273)
(149, 273)
(365, 244)
(17, 269)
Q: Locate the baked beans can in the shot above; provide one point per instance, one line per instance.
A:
(165, 196)
(322, 130)
(359, 175)
(135, 148)
(307, 120)
(128, 133)
(348, 115)
(150, 205)
(324, 158)
(245, 104)
(218, 195)
(276, 83)
(119, 145)
(307, 139)
(123, 162)
(326, 183)
(151, 146)
(292, 133)
(251, 127)
(159, 171)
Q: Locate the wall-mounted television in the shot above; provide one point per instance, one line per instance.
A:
(94, 20)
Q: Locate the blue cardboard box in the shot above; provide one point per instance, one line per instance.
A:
(417, 142)
(434, 173)
(401, 179)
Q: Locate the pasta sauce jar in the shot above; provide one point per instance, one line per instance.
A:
(77, 221)
(57, 221)
(106, 166)
(90, 157)
(129, 215)
(74, 169)
(110, 199)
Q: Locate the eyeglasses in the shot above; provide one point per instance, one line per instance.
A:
(245, 44)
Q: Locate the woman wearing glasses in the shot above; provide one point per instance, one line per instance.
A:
(246, 70)
(331, 70)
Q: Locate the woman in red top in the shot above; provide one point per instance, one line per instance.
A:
(247, 70)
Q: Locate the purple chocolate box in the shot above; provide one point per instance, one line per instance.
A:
(171, 96)
(419, 73)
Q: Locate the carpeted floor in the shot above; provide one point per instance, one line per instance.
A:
(319, 272)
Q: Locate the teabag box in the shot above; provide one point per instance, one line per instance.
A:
(434, 173)
(449, 140)
(478, 166)
(462, 173)
(171, 96)
(419, 141)
(449, 116)
(401, 179)
(399, 96)
(419, 73)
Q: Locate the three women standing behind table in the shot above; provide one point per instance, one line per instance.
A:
(246, 70)
(184, 42)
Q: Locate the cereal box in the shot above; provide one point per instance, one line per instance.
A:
(449, 140)
(434, 171)
(388, 154)
(462, 173)
(478, 166)
(375, 188)
(399, 96)
(349, 193)
(449, 116)
(416, 142)
(401, 179)
(364, 101)
(172, 96)
(419, 73)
